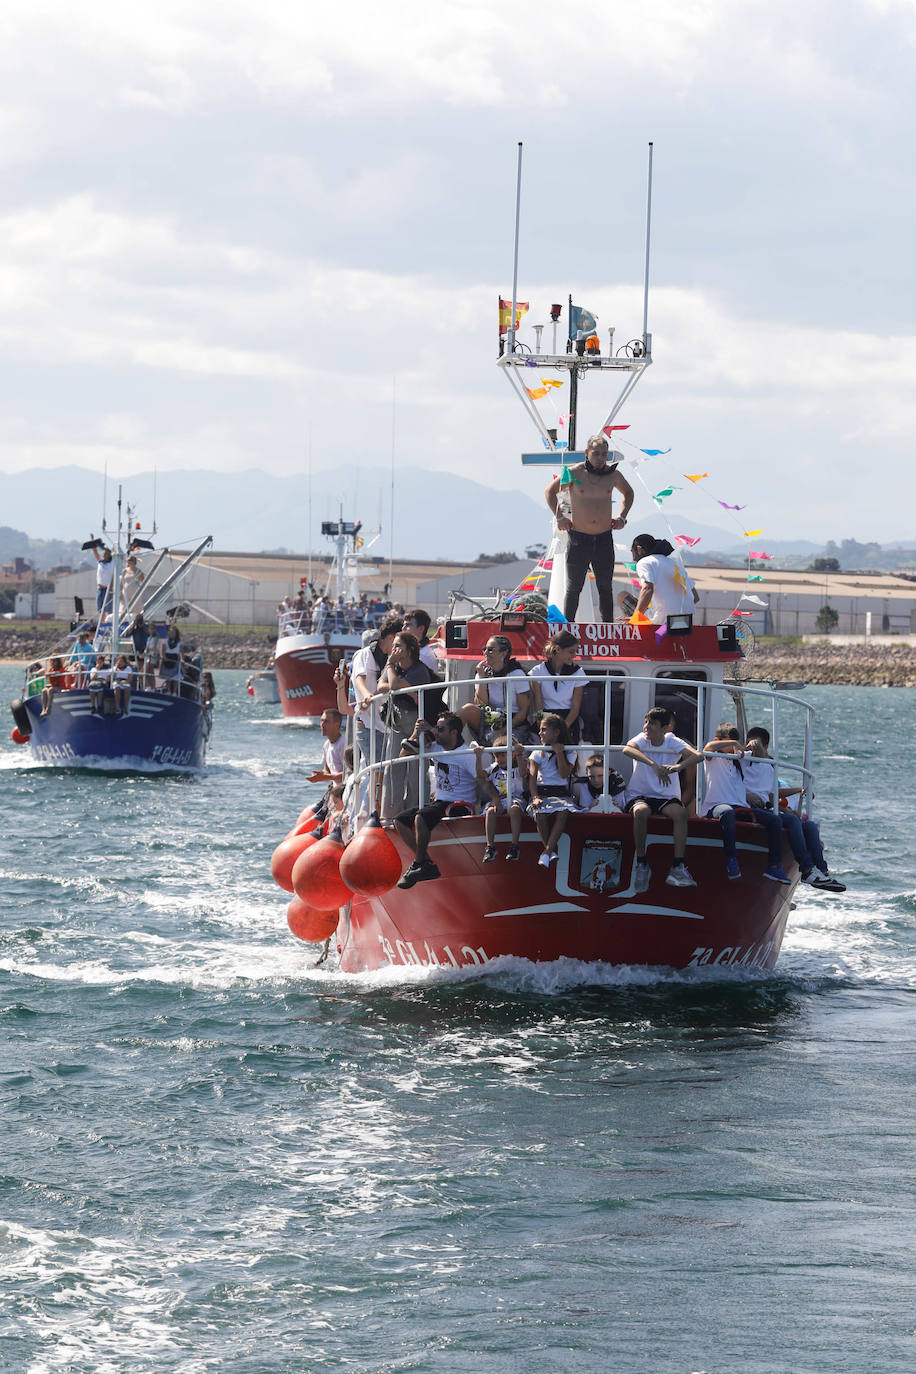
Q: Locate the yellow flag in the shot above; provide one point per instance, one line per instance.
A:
(695, 476)
(752, 534)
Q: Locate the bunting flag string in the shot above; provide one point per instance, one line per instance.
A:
(660, 496)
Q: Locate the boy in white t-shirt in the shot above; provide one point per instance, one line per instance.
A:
(654, 789)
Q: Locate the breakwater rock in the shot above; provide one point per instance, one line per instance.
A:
(882, 663)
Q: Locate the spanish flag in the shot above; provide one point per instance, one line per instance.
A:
(505, 314)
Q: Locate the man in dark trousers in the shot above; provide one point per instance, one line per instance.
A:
(589, 517)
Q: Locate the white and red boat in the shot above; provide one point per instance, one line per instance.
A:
(586, 906)
(311, 643)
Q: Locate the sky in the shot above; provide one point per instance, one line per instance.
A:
(258, 235)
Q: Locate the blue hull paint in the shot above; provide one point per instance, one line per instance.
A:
(160, 731)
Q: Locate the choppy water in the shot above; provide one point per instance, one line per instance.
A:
(218, 1157)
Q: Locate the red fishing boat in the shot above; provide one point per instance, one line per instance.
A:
(590, 904)
(586, 906)
(311, 643)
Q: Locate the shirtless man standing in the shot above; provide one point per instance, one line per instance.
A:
(591, 523)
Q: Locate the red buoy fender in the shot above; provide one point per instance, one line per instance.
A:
(17, 736)
(308, 923)
(316, 875)
(285, 856)
(370, 863)
(310, 818)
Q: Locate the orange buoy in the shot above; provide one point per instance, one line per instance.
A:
(310, 818)
(285, 856)
(308, 923)
(308, 827)
(370, 863)
(316, 874)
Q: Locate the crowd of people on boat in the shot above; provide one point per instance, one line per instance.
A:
(311, 611)
(157, 661)
(555, 769)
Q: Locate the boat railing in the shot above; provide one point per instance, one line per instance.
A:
(791, 744)
(334, 620)
(146, 678)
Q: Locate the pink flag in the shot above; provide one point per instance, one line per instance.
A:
(761, 554)
(686, 541)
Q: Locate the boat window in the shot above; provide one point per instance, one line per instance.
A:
(592, 713)
(680, 699)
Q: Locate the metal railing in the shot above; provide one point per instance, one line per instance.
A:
(372, 770)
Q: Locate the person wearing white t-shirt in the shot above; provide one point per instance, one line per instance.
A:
(550, 771)
(665, 588)
(418, 621)
(510, 793)
(726, 783)
(490, 698)
(332, 751)
(365, 669)
(803, 835)
(654, 789)
(455, 783)
(557, 684)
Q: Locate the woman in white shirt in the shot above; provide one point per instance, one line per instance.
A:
(490, 698)
(557, 684)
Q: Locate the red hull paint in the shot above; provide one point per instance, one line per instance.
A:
(477, 912)
(305, 667)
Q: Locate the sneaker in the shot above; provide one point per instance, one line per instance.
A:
(512, 855)
(552, 858)
(731, 866)
(823, 881)
(410, 876)
(427, 872)
(544, 860)
(642, 876)
(679, 877)
(489, 854)
(775, 874)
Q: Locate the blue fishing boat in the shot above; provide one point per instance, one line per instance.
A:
(122, 691)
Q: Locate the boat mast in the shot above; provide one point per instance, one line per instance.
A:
(645, 303)
(518, 209)
(116, 590)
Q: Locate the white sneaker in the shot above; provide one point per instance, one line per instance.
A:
(679, 877)
(544, 861)
(642, 876)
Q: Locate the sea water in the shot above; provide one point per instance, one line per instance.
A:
(217, 1156)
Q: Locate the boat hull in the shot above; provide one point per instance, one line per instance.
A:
(305, 666)
(264, 688)
(478, 912)
(159, 731)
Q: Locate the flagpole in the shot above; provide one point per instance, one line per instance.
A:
(394, 411)
(573, 387)
(645, 307)
(518, 207)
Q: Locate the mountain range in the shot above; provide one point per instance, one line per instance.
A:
(437, 515)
